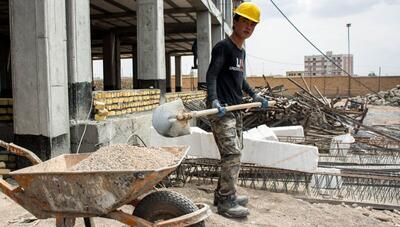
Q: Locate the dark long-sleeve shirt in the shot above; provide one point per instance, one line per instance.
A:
(226, 74)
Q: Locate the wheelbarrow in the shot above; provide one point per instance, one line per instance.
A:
(51, 190)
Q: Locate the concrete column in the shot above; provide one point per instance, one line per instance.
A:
(217, 34)
(178, 74)
(168, 72)
(134, 67)
(229, 12)
(151, 46)
(40, 78)
(5, 68)
(79, 58)
(203, 45)
(218, 30)
(111, 62)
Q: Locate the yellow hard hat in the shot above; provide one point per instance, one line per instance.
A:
(249, 10)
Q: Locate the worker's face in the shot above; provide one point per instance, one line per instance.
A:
(244, 27)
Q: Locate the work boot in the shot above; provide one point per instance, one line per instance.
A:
(239, 199)
(228, 207)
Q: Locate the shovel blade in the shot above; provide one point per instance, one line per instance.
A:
(164, 120)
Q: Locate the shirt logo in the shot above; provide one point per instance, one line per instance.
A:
(239, 65)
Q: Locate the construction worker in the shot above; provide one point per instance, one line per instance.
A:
(225, 83)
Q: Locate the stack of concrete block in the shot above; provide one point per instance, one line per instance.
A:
(122, 102)
(7, 163)
(186, 96)
(6, 109)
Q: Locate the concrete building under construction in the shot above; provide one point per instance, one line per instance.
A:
(47, 48)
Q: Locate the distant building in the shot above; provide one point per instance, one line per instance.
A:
(318, 65)
(295, 73)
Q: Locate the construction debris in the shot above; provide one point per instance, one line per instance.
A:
(385, 98)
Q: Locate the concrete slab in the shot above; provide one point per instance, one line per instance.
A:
(261, 132)
(289, 131)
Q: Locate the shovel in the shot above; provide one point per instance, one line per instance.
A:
(171, 119)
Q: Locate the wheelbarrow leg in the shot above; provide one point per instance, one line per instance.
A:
(89, 222)
(65, 222)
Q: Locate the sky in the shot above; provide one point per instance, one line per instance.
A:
(374, 34)
(275, 46)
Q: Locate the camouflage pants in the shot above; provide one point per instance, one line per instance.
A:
(228, 136)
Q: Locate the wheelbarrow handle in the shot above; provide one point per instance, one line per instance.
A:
(20, 151)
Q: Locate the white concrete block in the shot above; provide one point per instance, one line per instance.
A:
(262, 152)
(267, 133)
(280, 155)
(326, 181)
(289, 131)
(202, 144)
(340, 145)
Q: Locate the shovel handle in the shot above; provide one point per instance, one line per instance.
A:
(207, 112)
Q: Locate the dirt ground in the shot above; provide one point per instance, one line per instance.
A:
(267, 209)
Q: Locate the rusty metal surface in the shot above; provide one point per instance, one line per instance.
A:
(128, 219)
(188, 219)
(201, 214)
(49, 188)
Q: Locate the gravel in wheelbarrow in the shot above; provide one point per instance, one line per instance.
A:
(126, 157)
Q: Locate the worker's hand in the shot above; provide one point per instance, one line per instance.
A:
(264, 102)
(221, 109)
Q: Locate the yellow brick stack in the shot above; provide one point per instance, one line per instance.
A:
(121, 102)
(7, 163)
(6, 109)
(186, 96)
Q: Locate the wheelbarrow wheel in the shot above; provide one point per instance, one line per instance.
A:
(164, 205)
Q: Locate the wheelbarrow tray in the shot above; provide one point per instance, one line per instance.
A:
(50, 188)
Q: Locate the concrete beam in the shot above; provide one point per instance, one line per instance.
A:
(151, 46)
(133, 14)
(203, 45)
(79, 59)
(39, 69)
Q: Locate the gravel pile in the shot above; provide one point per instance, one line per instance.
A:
(126, 157)
(390, 98)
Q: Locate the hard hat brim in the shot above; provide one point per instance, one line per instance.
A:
(245, 16)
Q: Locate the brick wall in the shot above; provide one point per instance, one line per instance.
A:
(329, 86)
